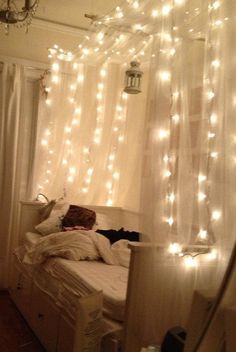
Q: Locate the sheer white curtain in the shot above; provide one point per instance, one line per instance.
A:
(14, 131)
(89, 138)
(188, 193)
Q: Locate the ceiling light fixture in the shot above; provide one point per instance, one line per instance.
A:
(10, 14)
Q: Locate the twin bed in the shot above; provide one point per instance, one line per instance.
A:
(51, 272)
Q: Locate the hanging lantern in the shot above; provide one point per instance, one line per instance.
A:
(133, 78)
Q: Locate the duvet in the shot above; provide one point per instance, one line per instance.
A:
(77, 245)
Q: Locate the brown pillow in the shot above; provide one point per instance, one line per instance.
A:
(79, 216)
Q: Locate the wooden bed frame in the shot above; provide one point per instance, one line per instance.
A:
(52, 326)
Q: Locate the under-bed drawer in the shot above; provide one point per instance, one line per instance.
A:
(20, 291)
(65, 336)
(44, 319)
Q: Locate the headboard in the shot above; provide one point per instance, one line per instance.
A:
(119, 217)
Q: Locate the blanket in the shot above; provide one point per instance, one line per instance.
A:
(72, 245)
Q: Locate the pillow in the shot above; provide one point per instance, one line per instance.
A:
(79, 216)
(114, 235)
(54, 222)
(46, 210)
(102, 222)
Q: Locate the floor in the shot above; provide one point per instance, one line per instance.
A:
(15, 335)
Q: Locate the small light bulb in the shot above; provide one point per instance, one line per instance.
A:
(175, 248)
(201, 178)
(154, 13)
(216, 214)
(190, 261)
(201, 196)
(170, 221)
(203, 234)
(176, 118)
(165, 75)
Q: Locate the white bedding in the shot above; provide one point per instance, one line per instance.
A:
(67, 280)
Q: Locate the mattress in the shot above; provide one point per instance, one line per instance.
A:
(65, 281)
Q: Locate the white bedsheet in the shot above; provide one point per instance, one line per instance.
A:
(67, 280)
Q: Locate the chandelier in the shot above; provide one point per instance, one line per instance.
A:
(10, 14)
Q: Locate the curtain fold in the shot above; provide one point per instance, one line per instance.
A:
(12, 138)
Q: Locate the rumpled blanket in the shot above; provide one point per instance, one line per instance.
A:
(72, 245)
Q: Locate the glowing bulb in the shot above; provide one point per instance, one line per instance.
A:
(100, 86)
(213, 119)
(109, 185)
(80, 78)
(67, 129)
(55, 79)
(190, 261)
(216, 63)
(55, 66)
(96, 140)
(167, 173)
(44, 142)
(216, 214)
(86, 150)
(211, 135)
(85, 190)
(121, 139)
(116, 175)
(214, 155)
(48, 101)
(166, 159)
(100, 36)
(99, 96)
(171, 197)
(175, 248)
(154, 13)
(109, 202)
(135, 4)
(176, 118)
(203, 234)
(78, 110)
(72, 87)
(75, 122)
(210, 95)
(163, 134)
(201, 196)
(170, 221)
(90, 171)
(201, 178)
(165, 75)
(166, 10)
(111, 157)
(85, 51)
(216, 5)
(70, 179)
(103, 73)
(64, 162)
(75, 65)
(213, 254)
(72, 170)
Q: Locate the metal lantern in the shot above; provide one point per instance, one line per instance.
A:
(133, 78)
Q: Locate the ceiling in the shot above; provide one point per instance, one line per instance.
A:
(60, 22)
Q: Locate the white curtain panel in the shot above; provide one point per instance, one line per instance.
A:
(89, 139)
(188, 190)
(15, 128)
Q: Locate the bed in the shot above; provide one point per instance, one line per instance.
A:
(48, 281)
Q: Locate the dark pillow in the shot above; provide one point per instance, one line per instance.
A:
(79, 216)
(114, 235)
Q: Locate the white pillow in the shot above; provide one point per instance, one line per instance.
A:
(102, 222)
(54, 222)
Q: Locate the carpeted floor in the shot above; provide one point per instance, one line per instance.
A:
(15, 335)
